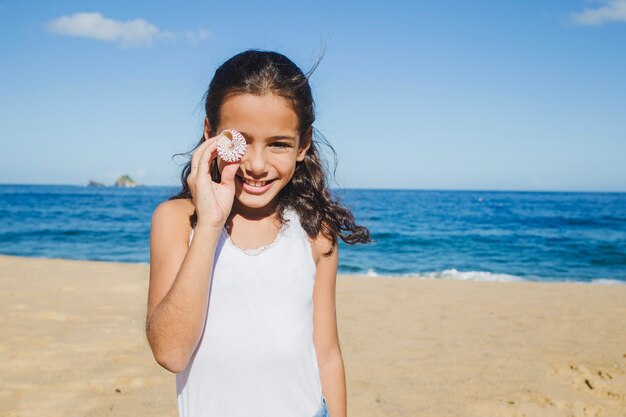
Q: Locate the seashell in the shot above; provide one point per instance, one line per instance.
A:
(231, 145)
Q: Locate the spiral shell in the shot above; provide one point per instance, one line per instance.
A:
(231, 145)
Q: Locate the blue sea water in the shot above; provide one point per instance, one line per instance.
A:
(478, 235)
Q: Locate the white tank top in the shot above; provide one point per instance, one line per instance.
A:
(256, 355)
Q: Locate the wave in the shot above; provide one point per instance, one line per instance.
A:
(485, 276)
(448, 274)
(372, 273)
(606, 281)
(470, 276)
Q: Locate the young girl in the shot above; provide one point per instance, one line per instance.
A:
(243, 261)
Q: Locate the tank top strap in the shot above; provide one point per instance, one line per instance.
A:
(294, 228)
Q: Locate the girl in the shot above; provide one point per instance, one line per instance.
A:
(243, 261)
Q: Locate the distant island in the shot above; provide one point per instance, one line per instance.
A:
(123, 181)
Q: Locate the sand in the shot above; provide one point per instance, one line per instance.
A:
(72, 343)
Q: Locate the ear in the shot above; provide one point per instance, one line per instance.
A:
(305, 144)
(208, 131)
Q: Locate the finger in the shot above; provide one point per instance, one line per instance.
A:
(197, 154)
(228, 175)
(207, 157)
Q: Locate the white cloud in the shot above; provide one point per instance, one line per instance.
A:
(189, 36)
(130, 33)
(610, 11)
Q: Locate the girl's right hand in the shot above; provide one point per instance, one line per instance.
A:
(213, 201)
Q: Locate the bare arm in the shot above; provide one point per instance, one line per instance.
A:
(325, 335)
(180, 278)
(180, 275)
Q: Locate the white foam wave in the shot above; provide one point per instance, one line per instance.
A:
(487, 276)
(453, 274)
(472, 276)
(606, 281)
(371, 273)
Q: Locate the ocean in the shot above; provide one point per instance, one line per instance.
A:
(468, 235)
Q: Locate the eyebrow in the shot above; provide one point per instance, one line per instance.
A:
(276, 137)
(283, 137)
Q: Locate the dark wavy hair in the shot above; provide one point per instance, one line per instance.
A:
(260, 72)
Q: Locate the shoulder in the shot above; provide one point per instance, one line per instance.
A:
(321, 245)
(179, 206)
(174, 213)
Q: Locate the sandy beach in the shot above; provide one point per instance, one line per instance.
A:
(72, 343)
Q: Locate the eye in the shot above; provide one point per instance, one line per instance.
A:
(280, 145)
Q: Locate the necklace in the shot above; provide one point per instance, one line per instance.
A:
(259, 250)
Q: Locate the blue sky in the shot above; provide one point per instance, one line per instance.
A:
(504, 95)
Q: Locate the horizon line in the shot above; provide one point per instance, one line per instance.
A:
(521, 190)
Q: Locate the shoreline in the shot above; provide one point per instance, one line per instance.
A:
(444, 275)
(72, 342)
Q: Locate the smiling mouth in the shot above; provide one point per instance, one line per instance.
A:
(253, 183)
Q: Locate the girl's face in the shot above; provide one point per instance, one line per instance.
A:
(270, 127)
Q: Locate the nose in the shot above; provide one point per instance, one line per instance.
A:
(254, 161)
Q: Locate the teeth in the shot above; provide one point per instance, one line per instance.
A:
(255, 183)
